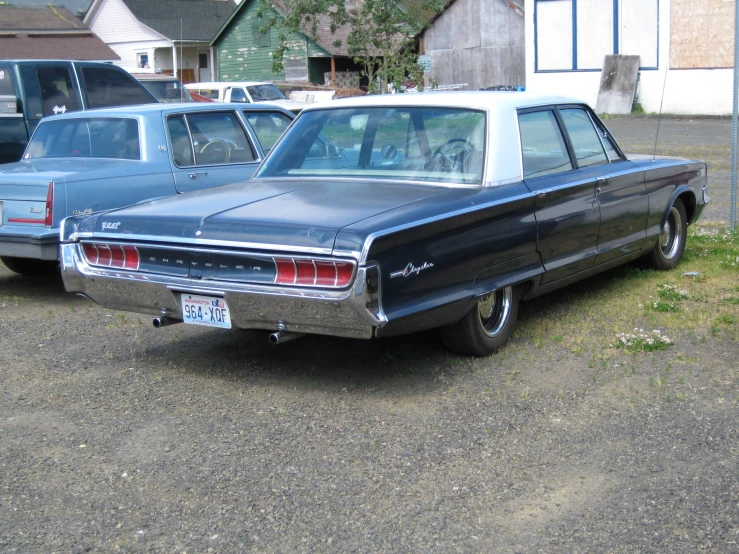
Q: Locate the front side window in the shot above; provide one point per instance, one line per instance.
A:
(585, 142)
(217, 138)
(86, 138)
(111, 87)
(268, 126)
(444, 145)
(238, 95)
(543, 149)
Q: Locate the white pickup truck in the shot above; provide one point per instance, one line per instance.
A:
(245, 91)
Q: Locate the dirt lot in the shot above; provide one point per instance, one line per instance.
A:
(116, 437)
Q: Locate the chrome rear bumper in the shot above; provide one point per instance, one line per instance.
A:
(354, 312)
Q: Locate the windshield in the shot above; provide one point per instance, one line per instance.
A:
(260, 93)
(93, 137)
(444, 145)
(168, 91)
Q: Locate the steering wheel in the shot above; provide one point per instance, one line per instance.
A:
(217, 146)
(454, 155)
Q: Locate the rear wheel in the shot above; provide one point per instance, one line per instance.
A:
(28, 266)
(671, 244)
(486, 327)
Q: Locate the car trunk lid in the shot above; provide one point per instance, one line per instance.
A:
(300, 215)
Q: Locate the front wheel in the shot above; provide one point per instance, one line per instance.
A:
(486, 327)
(671, 244)
(28, 266)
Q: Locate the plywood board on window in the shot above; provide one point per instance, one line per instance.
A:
(702, 34)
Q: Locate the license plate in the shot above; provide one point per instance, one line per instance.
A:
(205, 310)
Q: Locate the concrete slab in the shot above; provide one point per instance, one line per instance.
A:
(617, 84)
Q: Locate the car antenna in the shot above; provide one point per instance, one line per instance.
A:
(659, 117)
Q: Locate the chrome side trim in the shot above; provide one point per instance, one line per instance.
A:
(373, 236)
(434, 184)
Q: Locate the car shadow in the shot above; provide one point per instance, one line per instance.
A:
(410, 362)
(39, 288)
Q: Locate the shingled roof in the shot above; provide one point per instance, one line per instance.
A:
(200, 19)
(48, 32)
(77, 7)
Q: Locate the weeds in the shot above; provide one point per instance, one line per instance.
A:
(639, 341)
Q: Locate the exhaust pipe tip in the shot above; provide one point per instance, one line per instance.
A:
(278, 337)
(160, 322)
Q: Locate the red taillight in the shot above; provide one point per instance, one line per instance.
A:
(344, 272)
(111, 255)
(117, 257)
(313, 273)
(91, 252)
(325, 274)
(306, 272)
(132, 257)
(49, 217)
(103, 254)
(286, 271)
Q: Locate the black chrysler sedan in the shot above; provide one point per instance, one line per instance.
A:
(386, 215)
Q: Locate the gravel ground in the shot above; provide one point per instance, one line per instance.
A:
(115, 437)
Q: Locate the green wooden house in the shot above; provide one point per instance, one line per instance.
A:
(242, 53)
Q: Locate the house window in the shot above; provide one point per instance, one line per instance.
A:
(142, 60)
(260, 39)
(576, 34)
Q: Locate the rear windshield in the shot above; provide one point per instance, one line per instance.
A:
(94, 137)
(167, 91)
(444, 145)
(262, 93)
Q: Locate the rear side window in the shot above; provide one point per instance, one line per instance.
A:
(111, 87)
(585, 142)
(93, 137)
(542, 146)
(268, 126)
(57, 92)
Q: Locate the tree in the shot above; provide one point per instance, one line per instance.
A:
(381, 33)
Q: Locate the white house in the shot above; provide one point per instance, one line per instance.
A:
(168, 36)
(686, 48)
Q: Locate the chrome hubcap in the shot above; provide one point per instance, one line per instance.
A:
(494, 310)
(670, 237)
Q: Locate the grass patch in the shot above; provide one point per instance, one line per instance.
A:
(689, 303)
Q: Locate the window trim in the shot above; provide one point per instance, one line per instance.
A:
(616, 39)
(250, 139)
(597, 124)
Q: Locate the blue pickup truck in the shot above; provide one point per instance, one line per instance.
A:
(32, 89)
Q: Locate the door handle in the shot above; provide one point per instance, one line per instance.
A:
(543, 193)
(196, 173)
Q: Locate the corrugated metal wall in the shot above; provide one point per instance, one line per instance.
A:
(478, 42)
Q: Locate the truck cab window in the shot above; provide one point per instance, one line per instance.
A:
(57, 92)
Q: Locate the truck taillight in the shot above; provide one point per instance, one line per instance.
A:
(123, 256)
(49, 215)
(313, 273)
